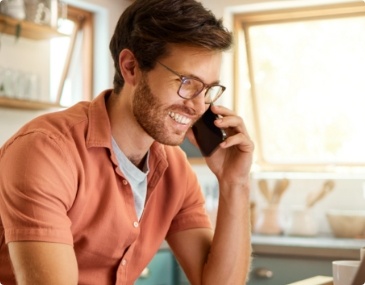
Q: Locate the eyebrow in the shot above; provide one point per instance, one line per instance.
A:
(192, 76)
(198, 78)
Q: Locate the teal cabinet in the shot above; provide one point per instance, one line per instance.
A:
(181, 277)
(160, 271)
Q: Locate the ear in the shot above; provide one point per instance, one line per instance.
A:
(128, 66)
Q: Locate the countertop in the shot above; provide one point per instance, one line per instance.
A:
(327, 247)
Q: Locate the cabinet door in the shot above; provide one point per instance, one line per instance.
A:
(160, 271)
(284, 270)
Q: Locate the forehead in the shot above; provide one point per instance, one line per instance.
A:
(194, 61)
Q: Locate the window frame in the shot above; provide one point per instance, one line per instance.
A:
(84, 21)
(241, 23)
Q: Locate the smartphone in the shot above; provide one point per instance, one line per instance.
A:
(208, 135)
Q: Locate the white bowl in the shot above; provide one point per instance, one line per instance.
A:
(346, 223)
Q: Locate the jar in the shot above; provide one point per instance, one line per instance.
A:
(268, 221)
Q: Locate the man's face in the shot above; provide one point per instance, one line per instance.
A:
(164, 115)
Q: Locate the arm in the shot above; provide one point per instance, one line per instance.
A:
(43, 263)
(224, 258)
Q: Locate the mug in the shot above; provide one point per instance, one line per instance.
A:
(344, 271)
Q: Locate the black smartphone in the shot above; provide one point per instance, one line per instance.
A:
(208, 135)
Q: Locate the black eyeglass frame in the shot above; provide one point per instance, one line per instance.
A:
(204, 85)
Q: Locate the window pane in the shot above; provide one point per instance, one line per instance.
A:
(309, 82)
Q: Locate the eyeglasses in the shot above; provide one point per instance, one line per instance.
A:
(192, 87)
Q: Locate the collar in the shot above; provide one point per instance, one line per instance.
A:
(99, 129)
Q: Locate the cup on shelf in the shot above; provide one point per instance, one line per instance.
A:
(8, 82)
(19, 84)
(2, 75)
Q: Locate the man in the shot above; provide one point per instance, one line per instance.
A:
(88, 194)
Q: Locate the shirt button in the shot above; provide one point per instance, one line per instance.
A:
(124, 262)
(125, 182)
(135, 224)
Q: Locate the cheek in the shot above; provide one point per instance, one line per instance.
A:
(163, 87)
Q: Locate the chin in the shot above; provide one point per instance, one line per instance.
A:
(172, 141)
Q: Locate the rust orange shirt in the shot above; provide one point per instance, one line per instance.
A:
(60, 182)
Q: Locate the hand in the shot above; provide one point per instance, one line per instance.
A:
(232, 160)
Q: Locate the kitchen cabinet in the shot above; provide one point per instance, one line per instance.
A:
(181, 277)
(160, 271)
(279, 260)
(279, 270)
(163, 270)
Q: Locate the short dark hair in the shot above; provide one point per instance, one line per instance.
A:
(146, 28)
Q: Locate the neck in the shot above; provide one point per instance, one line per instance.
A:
(138, 162)
(128, 134)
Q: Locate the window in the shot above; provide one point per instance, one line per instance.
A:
(43, 66)
(72, 82)
(300, 80)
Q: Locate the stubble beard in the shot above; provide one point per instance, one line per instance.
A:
(151, 115)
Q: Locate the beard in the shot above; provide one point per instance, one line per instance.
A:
(152, 116)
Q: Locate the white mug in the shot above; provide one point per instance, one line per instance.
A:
(344, 271)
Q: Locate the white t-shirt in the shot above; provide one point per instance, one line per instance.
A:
(137, 178)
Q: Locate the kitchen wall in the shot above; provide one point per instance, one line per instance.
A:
(349, 190)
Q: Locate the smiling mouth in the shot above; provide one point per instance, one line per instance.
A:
(179, 118)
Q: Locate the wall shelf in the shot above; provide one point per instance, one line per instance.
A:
(31, 31)
(28, 30)
(39, 34)
(26, 104)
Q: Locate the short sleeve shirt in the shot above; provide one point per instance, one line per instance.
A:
(60, 182)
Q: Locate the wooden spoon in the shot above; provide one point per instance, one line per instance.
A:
(279, 189)
(264, 189)
(314, 197)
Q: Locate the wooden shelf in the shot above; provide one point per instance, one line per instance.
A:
(27, 104)
(28, 30)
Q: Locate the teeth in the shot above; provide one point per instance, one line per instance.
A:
(179, 118)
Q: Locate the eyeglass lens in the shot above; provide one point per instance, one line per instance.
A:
(191, 87)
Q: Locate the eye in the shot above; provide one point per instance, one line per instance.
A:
(187, 81)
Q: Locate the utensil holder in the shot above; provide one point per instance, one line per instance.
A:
(268, 221)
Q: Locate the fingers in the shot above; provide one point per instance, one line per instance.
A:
(235, 128)
(229, 120)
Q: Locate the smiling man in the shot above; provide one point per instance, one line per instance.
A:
(88, 194)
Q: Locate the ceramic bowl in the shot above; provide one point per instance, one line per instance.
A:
(346, 223)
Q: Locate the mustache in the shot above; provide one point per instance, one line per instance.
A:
(183, 109)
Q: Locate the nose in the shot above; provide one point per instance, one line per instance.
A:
(198, 103)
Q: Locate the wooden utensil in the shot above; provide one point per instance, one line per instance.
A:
(264, 189)
(279, 189)
(314, 197)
